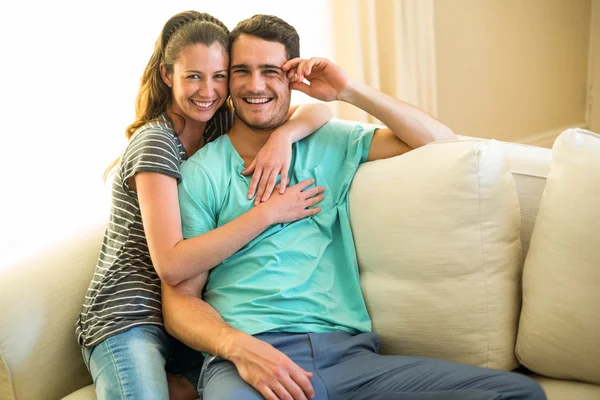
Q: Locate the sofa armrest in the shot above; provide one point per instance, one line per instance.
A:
(41, 295)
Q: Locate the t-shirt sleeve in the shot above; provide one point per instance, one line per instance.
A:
(151, 150)
(196, 201)
(359, 142)
(350, 141)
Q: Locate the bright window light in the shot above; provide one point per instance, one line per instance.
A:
(72, 71)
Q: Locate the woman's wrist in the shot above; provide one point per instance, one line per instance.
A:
(287, 132)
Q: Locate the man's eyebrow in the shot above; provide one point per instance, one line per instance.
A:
(261, 66)
(270, 66)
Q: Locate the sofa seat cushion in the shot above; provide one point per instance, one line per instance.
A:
(85, 393)
(559, 329)
(439, 252)
(557, 389)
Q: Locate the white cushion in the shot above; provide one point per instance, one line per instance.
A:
(440, 253)
(559, 332)
(568, 390)
(41, 295)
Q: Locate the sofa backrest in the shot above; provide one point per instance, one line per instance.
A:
(530, 166)
(41, 295)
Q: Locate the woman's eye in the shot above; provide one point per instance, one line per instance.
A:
(194, 76)
(220, 76)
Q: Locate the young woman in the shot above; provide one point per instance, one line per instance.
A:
(180, 107)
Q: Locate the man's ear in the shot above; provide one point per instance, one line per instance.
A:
(166, 77)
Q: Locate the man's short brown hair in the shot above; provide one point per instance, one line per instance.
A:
(271, 29)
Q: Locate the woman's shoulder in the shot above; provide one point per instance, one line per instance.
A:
(160, 127)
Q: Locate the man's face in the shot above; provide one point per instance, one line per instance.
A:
(258, 87)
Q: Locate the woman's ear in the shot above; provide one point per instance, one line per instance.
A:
(166, 77)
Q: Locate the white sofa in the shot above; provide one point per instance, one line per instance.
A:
(432, 310)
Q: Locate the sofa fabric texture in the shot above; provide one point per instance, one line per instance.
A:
(41, 292)
(559, 329)
(440, 259)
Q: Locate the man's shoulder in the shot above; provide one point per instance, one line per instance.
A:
(210, 160)
(337, 127)
(211, 153)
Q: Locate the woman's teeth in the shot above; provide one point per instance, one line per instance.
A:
(203, 104)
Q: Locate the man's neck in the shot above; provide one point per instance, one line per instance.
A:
(247, 141)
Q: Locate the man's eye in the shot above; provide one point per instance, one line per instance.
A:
(240, 71)
(271, 72)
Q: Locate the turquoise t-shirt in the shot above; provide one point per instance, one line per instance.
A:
(295, 277)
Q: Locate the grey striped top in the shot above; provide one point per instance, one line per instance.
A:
(125, 289)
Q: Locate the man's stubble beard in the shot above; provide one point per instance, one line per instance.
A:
(267, 126)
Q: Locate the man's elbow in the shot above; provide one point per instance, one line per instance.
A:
(444, 133)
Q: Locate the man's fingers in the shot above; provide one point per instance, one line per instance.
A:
(289, 64)
(268, 393)
(254, 182)
(302, 379)
(270, 185)
(281, 392)
(300, 86)
(294, 389)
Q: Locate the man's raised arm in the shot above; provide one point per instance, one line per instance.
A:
(408, 126)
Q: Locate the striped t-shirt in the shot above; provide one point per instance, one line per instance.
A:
(125, 289)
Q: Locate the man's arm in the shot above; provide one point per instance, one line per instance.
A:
(194, 322)
(407, 126)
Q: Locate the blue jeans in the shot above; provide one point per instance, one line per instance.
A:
(347, 367)
(132, 364)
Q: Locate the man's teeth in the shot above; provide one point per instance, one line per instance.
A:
(203, 105)
(257, 101)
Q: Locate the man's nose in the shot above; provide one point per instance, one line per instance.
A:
(257, 82)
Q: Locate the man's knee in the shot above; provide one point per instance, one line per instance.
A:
(525, 388)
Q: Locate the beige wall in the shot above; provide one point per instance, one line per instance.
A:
(594, 116)
(514, 70)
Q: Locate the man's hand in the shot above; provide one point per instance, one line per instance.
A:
(327, 81)
(269, 371)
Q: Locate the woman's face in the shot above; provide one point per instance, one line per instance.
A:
(199, 81)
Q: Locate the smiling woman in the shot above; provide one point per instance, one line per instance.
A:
(79, 78)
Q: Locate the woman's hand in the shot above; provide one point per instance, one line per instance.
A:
(295, 202)
(273, 159)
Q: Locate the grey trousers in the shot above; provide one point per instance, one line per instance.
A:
(347, 367)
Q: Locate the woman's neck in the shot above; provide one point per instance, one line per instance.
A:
(191, 133)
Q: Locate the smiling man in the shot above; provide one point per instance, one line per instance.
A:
(294, 322)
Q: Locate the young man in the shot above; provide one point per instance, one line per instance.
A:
(294, 323)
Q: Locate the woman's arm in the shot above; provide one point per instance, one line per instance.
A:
(175, 259)
(276, 155)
